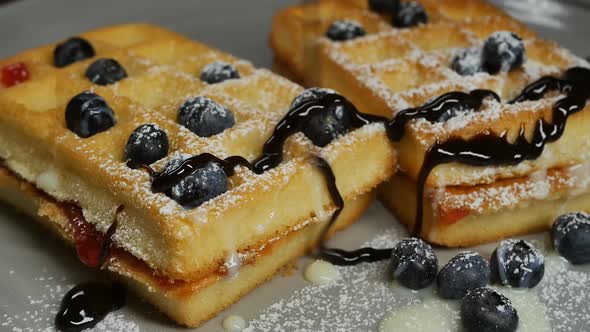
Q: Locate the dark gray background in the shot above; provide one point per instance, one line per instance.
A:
(236, 26)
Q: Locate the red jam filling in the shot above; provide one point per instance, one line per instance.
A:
(14, 74)
(92, 247)
(453, 216)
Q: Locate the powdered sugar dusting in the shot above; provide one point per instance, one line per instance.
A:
(344, 305)
(431, 69)
(564, 291)
(493, 197)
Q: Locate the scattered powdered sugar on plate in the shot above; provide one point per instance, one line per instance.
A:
(359, 300)
(565, 293)
(363, 297)
(355, 302)
(40, 310)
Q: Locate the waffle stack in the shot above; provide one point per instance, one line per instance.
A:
(190, 262)
(390, 71)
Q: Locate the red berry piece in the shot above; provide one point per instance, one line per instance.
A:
(14, 74)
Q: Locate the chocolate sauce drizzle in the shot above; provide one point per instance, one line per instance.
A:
(87, 304)
(296, 118)
(489, 149)
(272, 151)
(164, 181)
(439, 110)
(107, 243)
(339, 256)
(272, 156)
(485, 149)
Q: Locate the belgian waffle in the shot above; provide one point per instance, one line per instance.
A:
(393, 71)
(184, 260)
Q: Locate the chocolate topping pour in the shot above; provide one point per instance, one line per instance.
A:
(272, 151)
(87, 304)
(107, 243)
(485, 149)
(272, 155)
(339, 256)
(296, 118)
(165, 180)
(488, 149)
(439, 110)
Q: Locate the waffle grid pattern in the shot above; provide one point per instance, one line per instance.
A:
(389, 69)
(163, 70)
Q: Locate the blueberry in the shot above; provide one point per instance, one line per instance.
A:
(146, 145)
(218, 72)
(571, 237)
(503, 51)
(328, 124)
(72, 50)
(88, 114)
(517, 263)
(205, 117)
(464, 272)
(105, 71)
(467, 61)
(384, 6)
(309, 95)
(485, 310)
(325, 124)
(202, 185)
(413, 263)
(345, 30)
(409, 14)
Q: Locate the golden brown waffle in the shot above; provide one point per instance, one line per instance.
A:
(191, 302)
(173, 243)
(389, 70)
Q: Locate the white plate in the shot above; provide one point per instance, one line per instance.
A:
(37, 270)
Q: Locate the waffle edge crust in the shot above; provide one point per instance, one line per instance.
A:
(188, 303)
(280, 210)
(389, 70)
